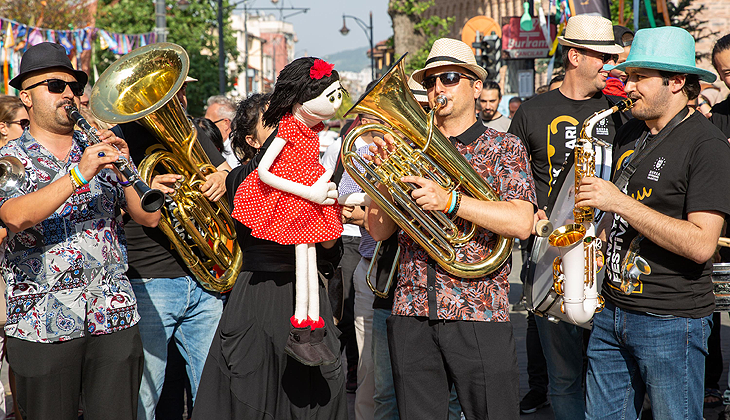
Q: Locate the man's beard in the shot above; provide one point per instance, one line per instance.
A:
(488, 115)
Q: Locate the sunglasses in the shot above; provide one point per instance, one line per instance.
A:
(447, 79)
(59, 86)
(606, 57)
(24, 123)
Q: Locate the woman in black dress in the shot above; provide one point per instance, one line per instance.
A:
(247, 374)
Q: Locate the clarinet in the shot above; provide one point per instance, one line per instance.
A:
(150, 199)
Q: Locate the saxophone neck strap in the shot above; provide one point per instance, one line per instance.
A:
(644, 148)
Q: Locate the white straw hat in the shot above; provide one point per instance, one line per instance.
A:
(418, 90)
(452, 52)
(592, 33)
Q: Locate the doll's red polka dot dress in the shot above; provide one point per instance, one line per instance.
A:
(282, 217)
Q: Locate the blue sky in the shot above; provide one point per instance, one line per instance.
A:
(319, 29)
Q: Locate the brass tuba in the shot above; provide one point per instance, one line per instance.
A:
(434, 157)
(575, 270)
(141, 86)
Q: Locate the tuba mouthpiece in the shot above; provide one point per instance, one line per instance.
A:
(441, 100)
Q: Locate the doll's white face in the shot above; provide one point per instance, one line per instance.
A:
(324, 106)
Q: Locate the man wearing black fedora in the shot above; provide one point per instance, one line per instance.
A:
(549, 124)
(665, 208)
(72, 313)
(445, 329)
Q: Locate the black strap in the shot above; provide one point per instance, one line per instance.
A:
(641, 151)
(558, 184)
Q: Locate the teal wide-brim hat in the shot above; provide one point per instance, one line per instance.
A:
(667, 48)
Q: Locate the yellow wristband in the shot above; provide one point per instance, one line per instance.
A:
(74, 183)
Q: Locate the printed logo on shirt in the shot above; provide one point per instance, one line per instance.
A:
(640, 195)
(655, 171)
(601, 129)
(569, 135)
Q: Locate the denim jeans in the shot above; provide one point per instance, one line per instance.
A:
(179, 309)
(562, 344)
(632, 353)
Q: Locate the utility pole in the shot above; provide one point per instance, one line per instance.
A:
(160, 21)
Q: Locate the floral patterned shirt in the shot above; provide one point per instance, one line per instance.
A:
(66, 275)
(501, 159)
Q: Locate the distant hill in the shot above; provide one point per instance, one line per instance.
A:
(350, 60)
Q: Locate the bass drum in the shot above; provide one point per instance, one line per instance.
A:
(540, 296)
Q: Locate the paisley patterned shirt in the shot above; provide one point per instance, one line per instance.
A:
(502, 161)
(66, 275)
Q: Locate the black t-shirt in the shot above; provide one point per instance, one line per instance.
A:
(548, 125)
(721, 116)
(149, 252)
(687, 172)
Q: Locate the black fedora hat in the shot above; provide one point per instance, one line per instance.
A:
(43, 56)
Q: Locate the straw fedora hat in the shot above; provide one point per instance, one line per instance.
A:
(667, 48)
(592, 33)
(418, 90)
(451, 52)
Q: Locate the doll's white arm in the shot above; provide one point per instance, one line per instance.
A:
(354, 199)
(322, 192)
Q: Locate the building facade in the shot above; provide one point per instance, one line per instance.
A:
(265, 46)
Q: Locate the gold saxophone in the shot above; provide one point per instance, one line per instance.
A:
(574, 271)
(141, 86)
(433, 157)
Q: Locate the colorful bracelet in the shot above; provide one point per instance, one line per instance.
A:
(449, 203)
(74, 182)
(455, 209)
(79, 177)
(124, 183)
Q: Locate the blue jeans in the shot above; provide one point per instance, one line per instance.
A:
(632, 353)
(170, 308)
(562, 345)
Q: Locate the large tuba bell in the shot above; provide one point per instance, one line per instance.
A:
(432, 156)
(141, 86)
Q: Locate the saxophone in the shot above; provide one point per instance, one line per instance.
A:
(574, 271)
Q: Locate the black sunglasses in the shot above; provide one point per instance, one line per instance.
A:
(447, 79)
(606, 57)
(24, 123)
(59, 86)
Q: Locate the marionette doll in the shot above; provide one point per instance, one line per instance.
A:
(289, 199)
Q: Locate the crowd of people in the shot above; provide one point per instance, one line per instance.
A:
(107, 320)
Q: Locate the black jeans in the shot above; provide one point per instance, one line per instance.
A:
(105, 370)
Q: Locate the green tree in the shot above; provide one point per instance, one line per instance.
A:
(195, 29)
(52, 14)
(425, 31)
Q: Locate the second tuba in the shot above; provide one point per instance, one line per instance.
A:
(141, 86)
(422, 150)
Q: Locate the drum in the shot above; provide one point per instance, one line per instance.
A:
(721, 286)
(540, 296)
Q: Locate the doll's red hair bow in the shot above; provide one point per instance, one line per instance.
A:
(320, 69)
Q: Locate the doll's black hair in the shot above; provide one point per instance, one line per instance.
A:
(294, 86)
